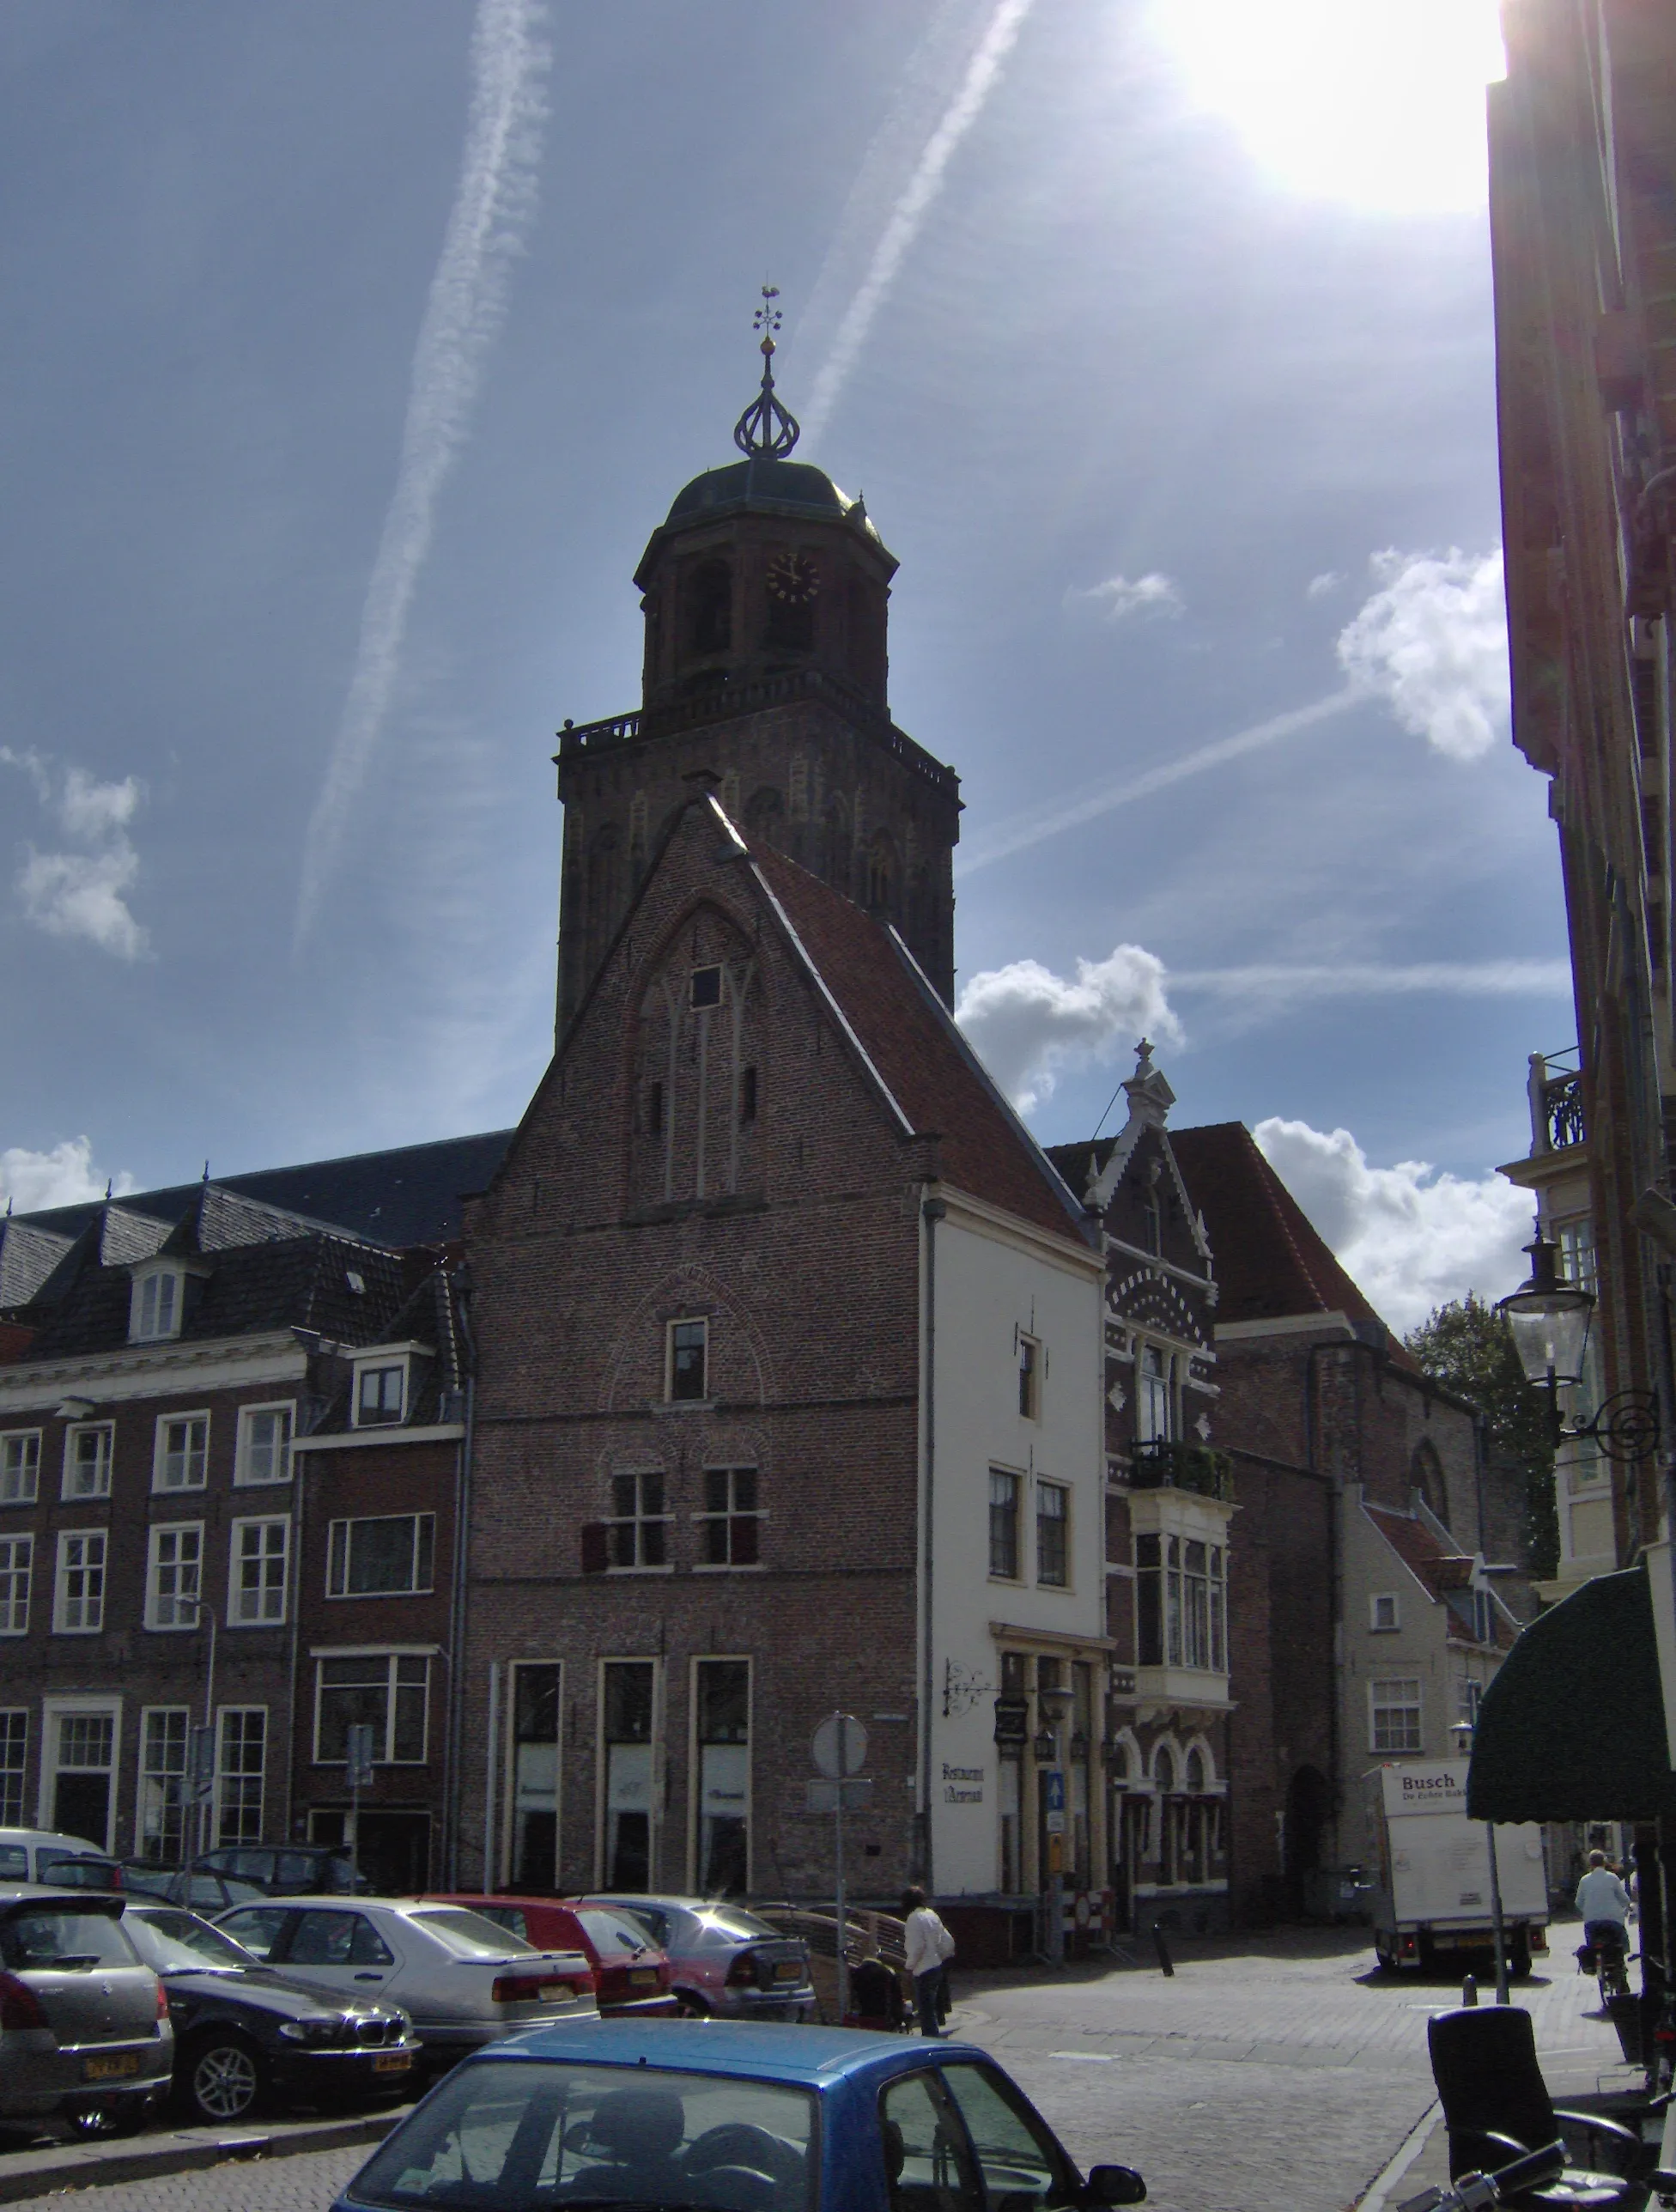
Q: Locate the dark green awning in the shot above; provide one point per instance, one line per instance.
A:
(1572, 1727)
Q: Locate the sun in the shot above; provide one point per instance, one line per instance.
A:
(1377, 104)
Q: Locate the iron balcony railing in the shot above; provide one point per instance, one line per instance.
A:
(1556, 1101)
(1166, 1463)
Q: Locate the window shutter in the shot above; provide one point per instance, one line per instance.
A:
(596, 1548)
(743, 1533)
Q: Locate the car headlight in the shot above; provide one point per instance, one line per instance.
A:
(310, 2031)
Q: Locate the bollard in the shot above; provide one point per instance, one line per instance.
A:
(1469, 1990)
(1166, 1965)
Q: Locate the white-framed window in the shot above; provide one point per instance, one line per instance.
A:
(380, 1394)
(730, 1529)
(1471, 1694)
(686, 1361)
(78, 1608)
(156, 1305)
(1394, 1706)
(80, 1739)
(265, 1444)
(629, 1711)
(256, 1572)
(89, 1449)
(242, 1758)
(1004, 1490)
(1180, 1601)
(1155, 1394)
(638, 1524)
(386, 1555)
(1029, 1377)
(180, 1456)
(1053, 1535)
(16, 1572)
(173, 1574)
(388, 1691)
(14, 1763)
(160, 1817)
(535, 1715)
(19, 1467)
(1384, 1613)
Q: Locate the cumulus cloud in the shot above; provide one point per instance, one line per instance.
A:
(1118, 600)
(1432, 643)
(1411, 1237)
(83, 894)
(65, 1176)
(1027, 1024)
(1323, 586)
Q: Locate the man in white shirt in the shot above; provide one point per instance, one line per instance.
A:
(1605, 1905)
(929, 1946)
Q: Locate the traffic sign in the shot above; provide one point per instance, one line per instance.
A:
(361, 1755)
(839, 1746)
(1055, 1800)
(832, 1795)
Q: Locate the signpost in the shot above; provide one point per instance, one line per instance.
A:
(361, 1776)
(839, 1750)
(1054, 1810)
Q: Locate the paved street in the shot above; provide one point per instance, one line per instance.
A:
(1278, 2078)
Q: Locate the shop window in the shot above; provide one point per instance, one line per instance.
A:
(627, 1695)
(722, 1705)
(536, 1717)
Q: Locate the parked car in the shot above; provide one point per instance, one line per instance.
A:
(463, 1981)
(43, 1855)
(722, 1959)
(192, 1887)
(286, 1870)
(630, 1973)
(84, 2024)
(244, 2036)
(791, 2119)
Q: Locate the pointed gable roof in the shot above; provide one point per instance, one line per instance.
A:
(928, 1072)
(1271, 1263)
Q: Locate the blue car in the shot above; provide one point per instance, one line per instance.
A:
(715, 2115)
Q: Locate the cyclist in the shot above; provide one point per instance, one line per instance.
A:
(1606, 1907)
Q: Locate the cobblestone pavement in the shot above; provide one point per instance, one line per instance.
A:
(1281, 2074)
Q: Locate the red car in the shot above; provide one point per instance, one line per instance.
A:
(630, 1973)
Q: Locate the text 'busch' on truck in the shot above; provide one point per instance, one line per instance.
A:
(1432, 1895)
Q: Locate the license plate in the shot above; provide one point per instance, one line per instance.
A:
(642, 1977)
(112, 2068)
(556, 1993)
(392, 2062)
(787, 1970)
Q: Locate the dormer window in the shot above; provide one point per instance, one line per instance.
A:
(156, 1305)
(380, 1394)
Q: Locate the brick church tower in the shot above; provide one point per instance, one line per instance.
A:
(765, 592)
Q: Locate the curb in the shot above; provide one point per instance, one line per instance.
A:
(30, 2173)
(1374, 2197)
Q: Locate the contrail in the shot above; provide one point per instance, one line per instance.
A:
(494, 203)
(1090, 803)
(912, 204)
(1473, 979)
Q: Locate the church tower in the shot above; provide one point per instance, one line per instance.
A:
(765, 592)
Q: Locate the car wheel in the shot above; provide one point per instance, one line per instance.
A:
(222, 2077)
(689, 2006)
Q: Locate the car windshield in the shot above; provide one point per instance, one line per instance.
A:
(469, 1933)
(59, 1936)
(515, 2135)
(175, 1942)
(728, 1925)
(612, 1931)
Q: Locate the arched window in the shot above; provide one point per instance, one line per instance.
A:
(710, 608)
(1163, 1768)
(1425, 1472)
(1195, 1777)
(882, 876)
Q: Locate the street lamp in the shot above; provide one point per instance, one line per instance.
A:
(1463, 1733)
(1549, 1318)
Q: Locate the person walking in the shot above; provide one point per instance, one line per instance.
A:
(929, 1947)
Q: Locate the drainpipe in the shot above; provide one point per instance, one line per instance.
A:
(1481, 1463)
(932, 1211)
(457, 1621)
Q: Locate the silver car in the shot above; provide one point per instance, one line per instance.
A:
(463, 1981)
(84, 2026)
(723, 1960)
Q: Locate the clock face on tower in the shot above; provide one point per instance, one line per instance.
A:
(794, 578)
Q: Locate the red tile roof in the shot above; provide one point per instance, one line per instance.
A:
(920, 1056)
(1270, 1263)
(1439, 1568)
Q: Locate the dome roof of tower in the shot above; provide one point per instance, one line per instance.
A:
(763, 481)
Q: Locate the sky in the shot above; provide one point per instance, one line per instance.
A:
(349, 355)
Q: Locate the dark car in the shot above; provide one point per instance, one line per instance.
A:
(630, 1973)
(245, 2036)
(740, 2118)
(285, 1870)
(195, 1887)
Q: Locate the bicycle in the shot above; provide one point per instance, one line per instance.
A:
(1605, 1951)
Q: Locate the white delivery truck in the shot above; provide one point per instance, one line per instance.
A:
(1431, 1902)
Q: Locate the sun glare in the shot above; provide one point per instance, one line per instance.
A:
(1378, 104)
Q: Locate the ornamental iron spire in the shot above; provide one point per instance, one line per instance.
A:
(766, 427)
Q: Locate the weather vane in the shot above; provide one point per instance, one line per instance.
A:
(766, 428)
